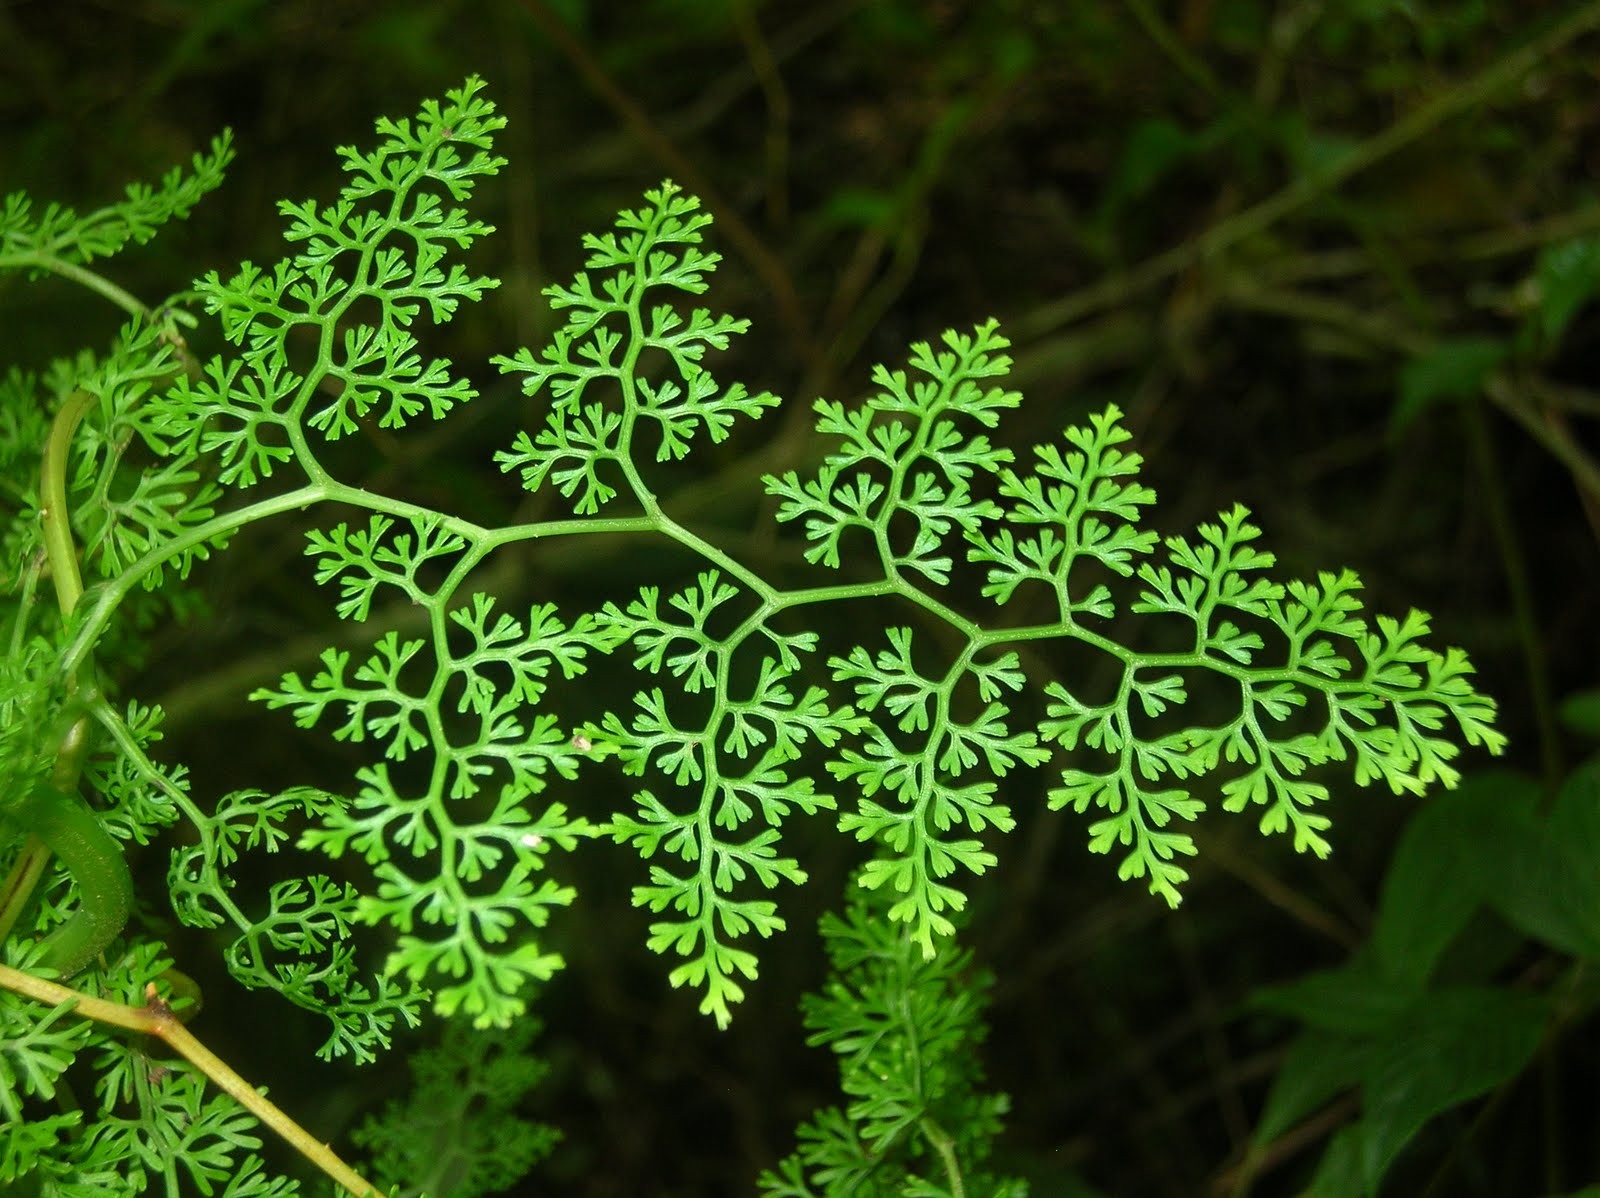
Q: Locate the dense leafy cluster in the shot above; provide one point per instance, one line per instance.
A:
(750, 714)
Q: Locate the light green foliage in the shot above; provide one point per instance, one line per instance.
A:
(925, 743)
(300, 946)
(906, 1029)
(915, 482)
(754, 710)
(1382, 697)
(369, 267)
(145, 481)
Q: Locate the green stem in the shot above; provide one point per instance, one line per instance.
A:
(1560, 443)
(54, 516)
(107, 598)
(99, 284)
(115, 727)
(1169, 43)
(1519, 586)
(946, 1148)
(57, 817)
(25, 873)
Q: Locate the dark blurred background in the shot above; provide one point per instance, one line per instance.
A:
(1278, 233)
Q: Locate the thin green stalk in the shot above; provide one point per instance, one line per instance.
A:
(54, 516)
(765, 68)
(54, 814)
(96, 283)
(946, 1148)
(107, 598)
(1189, 64)
(116, 727)
(71, 830)
(1557, 440)
(24, 875)
(1492, 243)
(1525, 614)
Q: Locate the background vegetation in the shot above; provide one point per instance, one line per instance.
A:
(1333, 259)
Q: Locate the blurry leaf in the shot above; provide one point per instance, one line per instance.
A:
(1453, 370)
(1417, 1052)
(1014, 53)
(1241, 26)
(1488, 844)
(1439, 872)
(695, 17)
(1321, 151)
(1455, 1046)
(1445, 25)
(414, 37)
(1318, 1067)
(1352, 1000)
(1339, 1171)
(866, 207)
(894, 24)
(1462, 1043)
(1550, 885)
(1308, 150)
(456, 1132)
(1580, 713)
(1566, 276)
(1153, 148)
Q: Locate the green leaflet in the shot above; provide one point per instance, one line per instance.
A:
(915, 484)
(746, 720)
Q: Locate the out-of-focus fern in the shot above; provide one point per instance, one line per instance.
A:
(457, 1133)
(906, 1029)
(58, 240)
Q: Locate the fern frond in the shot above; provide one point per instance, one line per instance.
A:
(58, 236)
